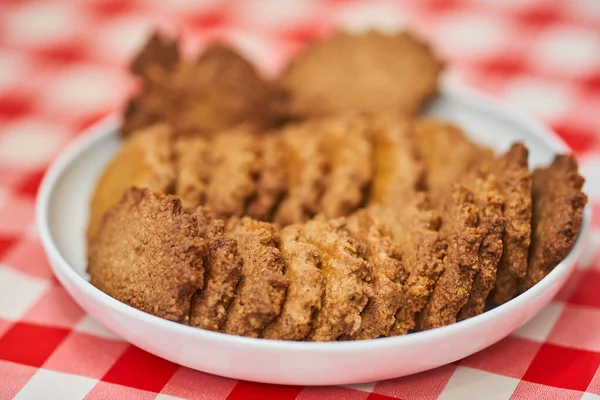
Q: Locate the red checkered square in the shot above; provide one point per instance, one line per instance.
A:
(6, 243)
(592, 84)
(529, 390)
(540, 17)
(105, 390)
(577, 327)
(563, 367)
(30, 344)
(86, 355)
(110, 9)
(66, 53)
(317, 393)
(139, 369)
(424, 386)
(509, 357)
(579, 138)
(252, 390)
(31, 183)
(587, 291)
(195, 385)
(377, 396)
(10, 177)
(14, 106)
(28, 256)
(16, 214)
(495, 72)
(55, 308)
(14, 377)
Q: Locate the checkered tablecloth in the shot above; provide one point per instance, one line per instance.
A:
(62, 67)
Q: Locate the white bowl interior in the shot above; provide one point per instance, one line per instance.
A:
(69, 206)
(62, 217)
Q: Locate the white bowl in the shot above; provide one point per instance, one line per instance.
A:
(62, 212)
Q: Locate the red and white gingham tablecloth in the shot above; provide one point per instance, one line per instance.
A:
(62, 68)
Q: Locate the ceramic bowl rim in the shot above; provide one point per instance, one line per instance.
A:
(109, 125)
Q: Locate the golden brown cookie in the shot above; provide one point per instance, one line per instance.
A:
(388, 275)
(261, 291)
(514, 181)
(447, 154)
(490, 204)
(459, 230)
(149, 255)
(399, 173)
(222, 90)
(144, 110)
(306, 167)
(350, 169)
(216, 92)
(193, 170)
(222, 272)
(369, 73)
(558, 204)
(305, 291)
(144, 161)
(271, 183)
(347, 278)
(414, 230)
(233, 160)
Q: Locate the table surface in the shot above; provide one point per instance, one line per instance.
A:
(62, 66)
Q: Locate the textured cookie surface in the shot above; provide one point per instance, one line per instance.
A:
(368, 73)
(143, 161)
(558, 204)
(149, 255)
